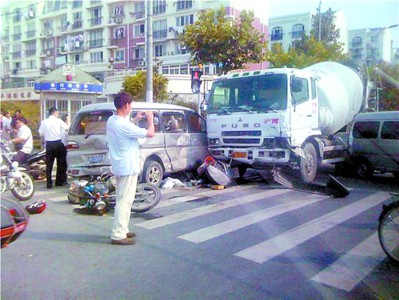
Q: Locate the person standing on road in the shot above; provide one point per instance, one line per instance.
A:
(23, 140)
(53, 131)
(124, 153)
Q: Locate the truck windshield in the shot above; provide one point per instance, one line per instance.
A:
(256, 93)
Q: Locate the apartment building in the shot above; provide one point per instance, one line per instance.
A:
(287, 29)
(99, 36)
(370, 46)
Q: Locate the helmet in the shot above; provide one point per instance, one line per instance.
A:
(37, 207)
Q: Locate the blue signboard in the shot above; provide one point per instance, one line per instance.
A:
(72, 87)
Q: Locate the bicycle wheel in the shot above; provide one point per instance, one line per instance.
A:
(388, 231)
(147, 197)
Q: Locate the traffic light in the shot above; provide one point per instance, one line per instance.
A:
(196, 81)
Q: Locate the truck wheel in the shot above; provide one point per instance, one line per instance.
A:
(363, 169)
(152, 173)
(309, 163)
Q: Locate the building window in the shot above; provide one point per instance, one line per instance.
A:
(160, 29)
(17, 15)
(297, 31)
(277, 34)
(159, 7)
(184, 4)
(96, 57)
(139, 53)
(160, 50)
(357, 41)
(119, 55)
(119, 33)
(76, 3)
(139, 30)
(185, 20)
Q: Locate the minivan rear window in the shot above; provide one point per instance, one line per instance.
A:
(366, 130)
(91, 122)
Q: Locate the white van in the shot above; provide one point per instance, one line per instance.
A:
(374, 143)
(179, 142)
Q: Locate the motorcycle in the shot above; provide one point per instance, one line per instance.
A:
(99, 196)
(35, 164)
(388, 228)
(13, 177)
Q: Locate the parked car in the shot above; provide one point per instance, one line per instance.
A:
(374, 143)
(179, 143)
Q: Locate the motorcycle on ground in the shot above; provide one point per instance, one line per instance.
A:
(13, 177)
(99, 196)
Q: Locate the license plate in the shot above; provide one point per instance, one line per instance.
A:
(95, 159)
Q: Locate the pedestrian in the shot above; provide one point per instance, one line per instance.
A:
(124, 153)
(7, 121)
(23, 140)
(16, 115)
(53, 131)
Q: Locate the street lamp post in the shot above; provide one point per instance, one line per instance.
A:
(320, 20)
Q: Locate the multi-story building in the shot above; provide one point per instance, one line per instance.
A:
(370, 46)
(287, 29)
(98, 36)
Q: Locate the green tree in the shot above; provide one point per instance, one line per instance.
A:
(385, 76)
(304, 53)
(136, 86)
(329, 34)
(229, 44)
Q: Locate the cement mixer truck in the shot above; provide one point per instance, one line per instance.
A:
(295, 118)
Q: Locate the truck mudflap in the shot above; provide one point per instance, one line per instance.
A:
(252, 155)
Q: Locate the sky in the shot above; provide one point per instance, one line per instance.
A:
(358, 13)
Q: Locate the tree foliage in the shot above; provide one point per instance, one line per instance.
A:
(329, 34)
(229, 44)
(304, 53)
(136, 86)
(385, 76)
(310, 50)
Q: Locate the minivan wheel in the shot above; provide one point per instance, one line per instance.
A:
(363, 169)
(152, 173)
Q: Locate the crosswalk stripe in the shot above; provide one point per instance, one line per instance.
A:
(207, 209)
(291, 238)
(355, 265)
(207, 193)
(216, 230)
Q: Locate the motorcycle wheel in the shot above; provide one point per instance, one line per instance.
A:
(147, 197)
(23, 188)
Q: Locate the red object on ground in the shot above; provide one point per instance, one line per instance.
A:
(14, 220)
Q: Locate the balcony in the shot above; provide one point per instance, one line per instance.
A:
(96, 21)
(77, 24)
(276, 37)
(30, 52)
(96, 43)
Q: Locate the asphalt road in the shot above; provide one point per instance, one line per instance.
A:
(256, 240)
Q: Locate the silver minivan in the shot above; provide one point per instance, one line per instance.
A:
(179, 142)
(374, 143)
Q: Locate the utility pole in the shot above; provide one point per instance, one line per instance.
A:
(149, 53)
(320, 20)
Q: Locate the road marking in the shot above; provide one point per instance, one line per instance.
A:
(203, 210)
(355, 265)
(202, 194)
(216, 230)
(291, 238)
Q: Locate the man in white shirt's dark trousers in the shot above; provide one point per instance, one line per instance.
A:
(53, 130)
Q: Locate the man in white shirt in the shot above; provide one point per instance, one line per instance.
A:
(53, 130)
(23, 139)
(7, 121)
(124, 153)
